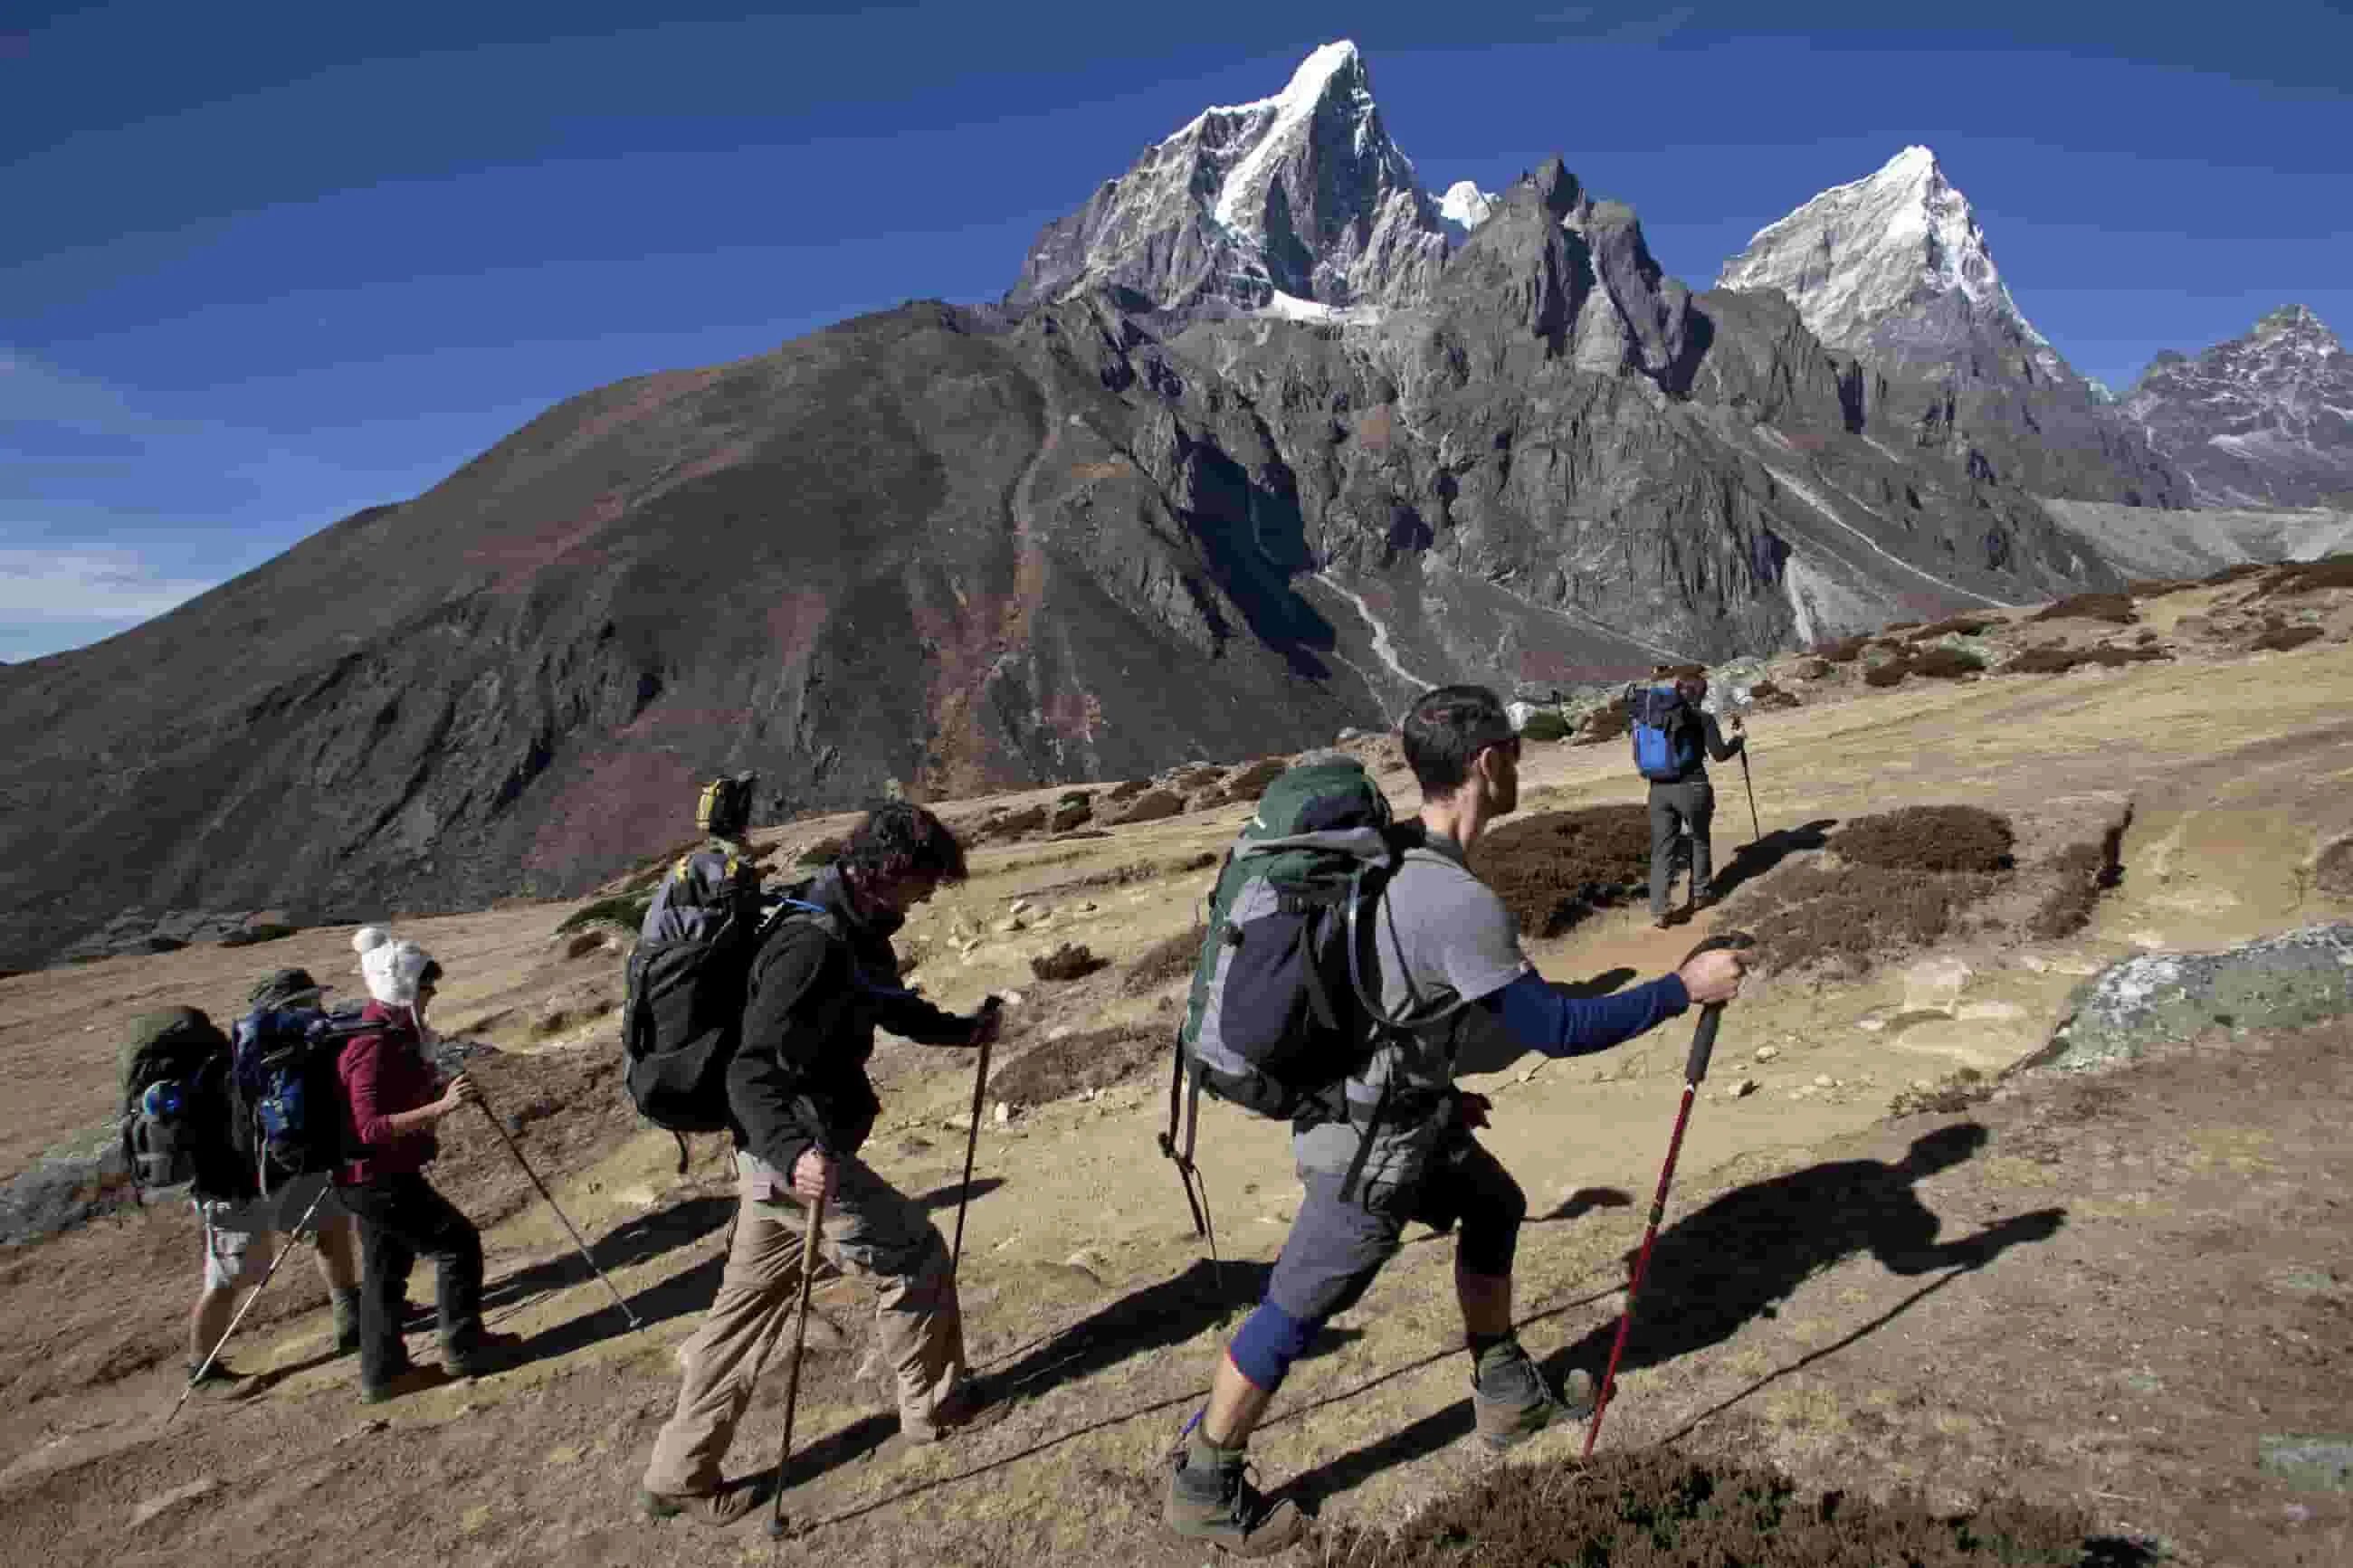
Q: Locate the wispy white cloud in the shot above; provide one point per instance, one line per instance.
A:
(87, 583)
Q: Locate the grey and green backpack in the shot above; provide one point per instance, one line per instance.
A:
(1280, 1013)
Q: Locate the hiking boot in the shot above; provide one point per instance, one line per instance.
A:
(222, 1380)
(1215, 1502)
(347, 1307)
(490, 1353)
(965, 1409)
(407, 1380)
(1510, 1398)
(733, 1503)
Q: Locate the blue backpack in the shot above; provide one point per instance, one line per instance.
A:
(1666, 732)
(288, 1094)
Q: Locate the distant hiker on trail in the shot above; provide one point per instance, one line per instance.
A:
(716, 876)
(823, 979)
(394, 1100)
(241, 1234)
(1674, 737)
(1449, 950)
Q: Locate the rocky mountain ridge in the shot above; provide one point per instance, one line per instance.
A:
(2266, 419)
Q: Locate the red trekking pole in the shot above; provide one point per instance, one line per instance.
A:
(1694, 1071)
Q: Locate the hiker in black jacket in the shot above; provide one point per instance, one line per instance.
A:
(823, 980)
(1686, 802)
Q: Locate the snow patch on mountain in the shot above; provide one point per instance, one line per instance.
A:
(1464, 207)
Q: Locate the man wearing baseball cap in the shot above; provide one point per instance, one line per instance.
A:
(241, 1234)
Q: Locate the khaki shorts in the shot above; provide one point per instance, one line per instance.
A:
(234, 1227)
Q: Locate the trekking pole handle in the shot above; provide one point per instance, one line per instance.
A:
(1711, 1015)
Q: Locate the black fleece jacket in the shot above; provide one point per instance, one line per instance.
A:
(821, 987)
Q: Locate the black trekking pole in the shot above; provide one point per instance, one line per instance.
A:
(1756, 828)
(214, 1354)
(972, 1136)
(483, 1105)
(1695, 1070)
(777, 1526)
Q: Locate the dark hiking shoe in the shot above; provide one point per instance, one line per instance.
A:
(222, 1380)
(733, 1503)
(1510, 1397)
(407, 1380)
(969, 1407)
(1215, 1503)
(490, 1353)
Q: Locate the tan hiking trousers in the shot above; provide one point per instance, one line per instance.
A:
(872, 1231)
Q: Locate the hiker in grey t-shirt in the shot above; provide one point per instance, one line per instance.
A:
(1449, 954)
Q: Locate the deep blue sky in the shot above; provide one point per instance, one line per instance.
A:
(262, 265)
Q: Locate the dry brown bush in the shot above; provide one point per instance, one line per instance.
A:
(1128, 790)
(2244, 570)
(2046, 658)
(1553, 869)
(2084, 872)
(1814, 670)
(1851, 916)
(1661, 1508)
(2117, 609)
(2310, 576)
(1892, 673)
(1955, 626)
(2332, 869)
(1171, 958)
(2157, 588)
(1957, 1092)
(1603, 724)
(1097, 1059)
(1846, 650)
(1072, 961)
(1898, 626)
(1767, 695)
(1070, 813)
(1928, 838)
(2279, 640)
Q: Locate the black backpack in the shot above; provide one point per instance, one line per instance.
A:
(177, 1111)
(683, 1011)
(288, 1091)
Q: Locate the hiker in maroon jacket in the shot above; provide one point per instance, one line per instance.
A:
(394, 1100)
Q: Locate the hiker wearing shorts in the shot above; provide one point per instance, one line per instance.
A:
(1685, 805)
(823, 979)
(1406, 1149)
(241, 1234)
(393, 1102)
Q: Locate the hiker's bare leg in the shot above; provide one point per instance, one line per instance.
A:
(217, 1307)
(1486, 1301)
(1236, 1406)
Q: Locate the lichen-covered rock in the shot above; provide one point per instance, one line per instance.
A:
(2280, 982)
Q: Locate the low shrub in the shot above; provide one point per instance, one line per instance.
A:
(1957, 1092)
(250, 935)
(1128, 789)
(1898, 626)
(2311, 576)
(2243, 571)
(1607, 723)
(2279, 640)
(1545, 724)
(1070, 813)
(1945, 663)
(1072, 961)
(2332, 869)
(1928, 838)
(1814, 670)
(1554, 869)
(2117, 609)
(1096, 1058)
(2045, 658)
(1767, 695)
(1854, 915)
(1956, 626)
(1652, 1506)
(625, 911)
(1892, 673)
(1846, 650)
(2157, 588)
(2082, 872)
(1171, 958)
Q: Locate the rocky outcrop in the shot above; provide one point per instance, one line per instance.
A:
(2281, 982)
(2263, 420)
(1300, 196)
(1894, 269)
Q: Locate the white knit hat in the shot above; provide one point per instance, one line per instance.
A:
(392, 970)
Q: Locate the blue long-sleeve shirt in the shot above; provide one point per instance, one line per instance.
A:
(1533, 1015)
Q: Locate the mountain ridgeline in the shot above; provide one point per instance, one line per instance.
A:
(1259, 443)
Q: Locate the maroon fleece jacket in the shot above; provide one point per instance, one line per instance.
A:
(385, 1073)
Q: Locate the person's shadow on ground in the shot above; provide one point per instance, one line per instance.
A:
(1739, 1258)
(1753, 859)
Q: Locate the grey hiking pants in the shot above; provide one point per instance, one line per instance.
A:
(1675, 807)
(872, 1231)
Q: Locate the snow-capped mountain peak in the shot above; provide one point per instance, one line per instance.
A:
(2262, 420)
(1878, 248)
(1300, 194)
